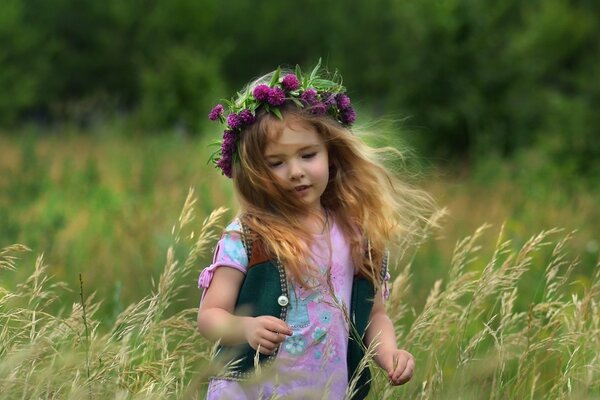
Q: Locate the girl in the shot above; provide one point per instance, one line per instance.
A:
(298, 280)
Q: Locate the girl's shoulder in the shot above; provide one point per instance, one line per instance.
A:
(230, 249)
(235, 226)
(229, 252)
(237, 234)
(232, 236)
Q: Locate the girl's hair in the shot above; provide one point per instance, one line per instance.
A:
(372, 206)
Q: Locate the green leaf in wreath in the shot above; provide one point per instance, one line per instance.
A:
(315, 70)
(275, 77)
(277, 113)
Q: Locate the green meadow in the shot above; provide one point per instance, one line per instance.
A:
(109, 211)
(98, 300)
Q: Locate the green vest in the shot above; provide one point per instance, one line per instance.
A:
(264, 291)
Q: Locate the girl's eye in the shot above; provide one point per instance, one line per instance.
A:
(275, 164)
(309, 155)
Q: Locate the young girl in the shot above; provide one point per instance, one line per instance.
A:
(297, 285)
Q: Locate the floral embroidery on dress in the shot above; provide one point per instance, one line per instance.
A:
(331, 353)
(325, 317)
(295, 345)
(319, 334)
(318, 354)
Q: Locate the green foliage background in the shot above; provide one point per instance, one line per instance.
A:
(473, 77)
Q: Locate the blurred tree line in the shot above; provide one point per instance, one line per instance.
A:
(472, 77)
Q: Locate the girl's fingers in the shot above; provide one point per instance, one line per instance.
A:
(408, 371)
(403, 376)
(278, 326)
(399, 365)
(394, 365)
(401, 361)
(264, 351)
(273, 337)
(266, 347)
(281, 328)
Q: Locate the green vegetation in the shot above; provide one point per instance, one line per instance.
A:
(473, 77)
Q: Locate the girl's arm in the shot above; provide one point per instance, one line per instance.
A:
(215, 315)
(216, 320)
(398, 363)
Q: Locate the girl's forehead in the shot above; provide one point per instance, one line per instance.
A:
(293, 133)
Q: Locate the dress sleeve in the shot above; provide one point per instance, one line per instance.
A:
(229, 252)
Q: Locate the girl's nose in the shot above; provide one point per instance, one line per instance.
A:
(295, 171)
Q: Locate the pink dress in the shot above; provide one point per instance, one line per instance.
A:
(312, 362)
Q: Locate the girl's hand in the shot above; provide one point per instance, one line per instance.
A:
(400, 365)
(265, 331)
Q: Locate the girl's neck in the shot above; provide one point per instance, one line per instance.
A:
(316, 223)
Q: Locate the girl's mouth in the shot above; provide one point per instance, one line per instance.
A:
(301, 190)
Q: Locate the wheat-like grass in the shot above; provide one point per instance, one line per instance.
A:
(146, 354)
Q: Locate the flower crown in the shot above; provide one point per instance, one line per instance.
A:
(317, 94)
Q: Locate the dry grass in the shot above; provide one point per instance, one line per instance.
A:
(145, 354)
(469, 339)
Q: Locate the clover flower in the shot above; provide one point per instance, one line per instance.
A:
(276, 96)
(290, 82)
(328, 99)
(228, 142)
(227, 150)
(216, 112)
(309, 96)
(247, 117)
(261, 92)
(343, 101)
(348, 116)
(318, 109)
(224, 164)
(234, 121)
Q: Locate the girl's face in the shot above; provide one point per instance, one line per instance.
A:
(298, 158)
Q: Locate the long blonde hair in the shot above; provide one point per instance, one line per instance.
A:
(368, 202)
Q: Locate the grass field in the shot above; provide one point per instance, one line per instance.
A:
(509, 310)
